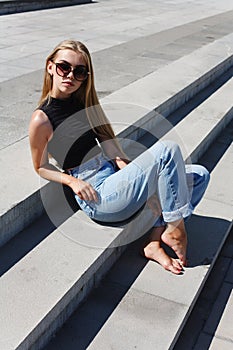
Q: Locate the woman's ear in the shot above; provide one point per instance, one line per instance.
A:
(50, 68)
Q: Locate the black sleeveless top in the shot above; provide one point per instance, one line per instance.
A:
(73, 138)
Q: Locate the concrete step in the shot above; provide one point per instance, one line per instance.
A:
(138, 298)
(59, 272)
(22, 205)
(14, 6)
(213, 115)
(210, 320)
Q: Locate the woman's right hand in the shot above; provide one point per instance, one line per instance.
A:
(83, 189)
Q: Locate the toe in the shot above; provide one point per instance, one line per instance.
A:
(177, 264)
(173, 266)
(181, 257)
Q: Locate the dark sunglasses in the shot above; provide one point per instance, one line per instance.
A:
(80, 72)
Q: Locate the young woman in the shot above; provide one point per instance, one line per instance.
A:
(70, 125)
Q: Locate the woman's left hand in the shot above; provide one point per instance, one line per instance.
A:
(121, 162)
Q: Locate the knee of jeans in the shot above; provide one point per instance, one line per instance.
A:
(167, 150)
(205, 174)
(171, 146)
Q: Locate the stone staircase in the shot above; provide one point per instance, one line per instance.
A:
(53, 256)
(15, 6)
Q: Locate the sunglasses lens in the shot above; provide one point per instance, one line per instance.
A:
(63, 69)
(80, 73)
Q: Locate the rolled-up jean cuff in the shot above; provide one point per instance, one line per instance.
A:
(178, 214)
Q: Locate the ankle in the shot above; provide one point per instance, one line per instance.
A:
(175, 225)
(151, 248)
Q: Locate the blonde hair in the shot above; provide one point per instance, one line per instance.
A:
(86, 94)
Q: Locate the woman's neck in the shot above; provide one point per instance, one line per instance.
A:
(61, 98)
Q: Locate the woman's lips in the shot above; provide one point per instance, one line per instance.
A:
(67, 83)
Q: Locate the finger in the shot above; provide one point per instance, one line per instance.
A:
(95, 196)
(86, 195)
(80, 195)
(89, 194)
(92, 196)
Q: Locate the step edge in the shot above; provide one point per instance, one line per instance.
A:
(201, 287)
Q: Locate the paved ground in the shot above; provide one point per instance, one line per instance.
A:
(128, 39)
(18, 6)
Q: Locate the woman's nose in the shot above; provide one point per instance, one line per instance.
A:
(70, 75)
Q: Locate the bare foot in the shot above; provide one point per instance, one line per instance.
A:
(154, 251)
(176, 238)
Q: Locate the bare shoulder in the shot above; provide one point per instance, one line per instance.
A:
(40, 122)
(39, 118)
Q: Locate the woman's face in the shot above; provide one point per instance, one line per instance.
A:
(64, 86)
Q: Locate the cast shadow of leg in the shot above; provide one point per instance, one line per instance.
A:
(205, 235)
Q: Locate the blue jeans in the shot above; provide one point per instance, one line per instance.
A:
(159, 170)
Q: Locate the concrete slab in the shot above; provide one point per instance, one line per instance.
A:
(218, 309)
(223, 193)
(18, 155)
(58, 277)
(224, 211)
(135, 316)
(206, 341)
(145, 18)
(218, 198)
(224, 329)
(15, 6)
(222, 344)
(221, 326)
(228, 250)
(138, 313)
(229, 276)
(203, 342)
(193, 335)
(24, 35)
(159, 286)
(114, 303)
(213, 115)
(149, 94)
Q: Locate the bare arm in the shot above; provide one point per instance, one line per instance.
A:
(40, 132)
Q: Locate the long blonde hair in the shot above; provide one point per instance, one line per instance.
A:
(86, 94)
